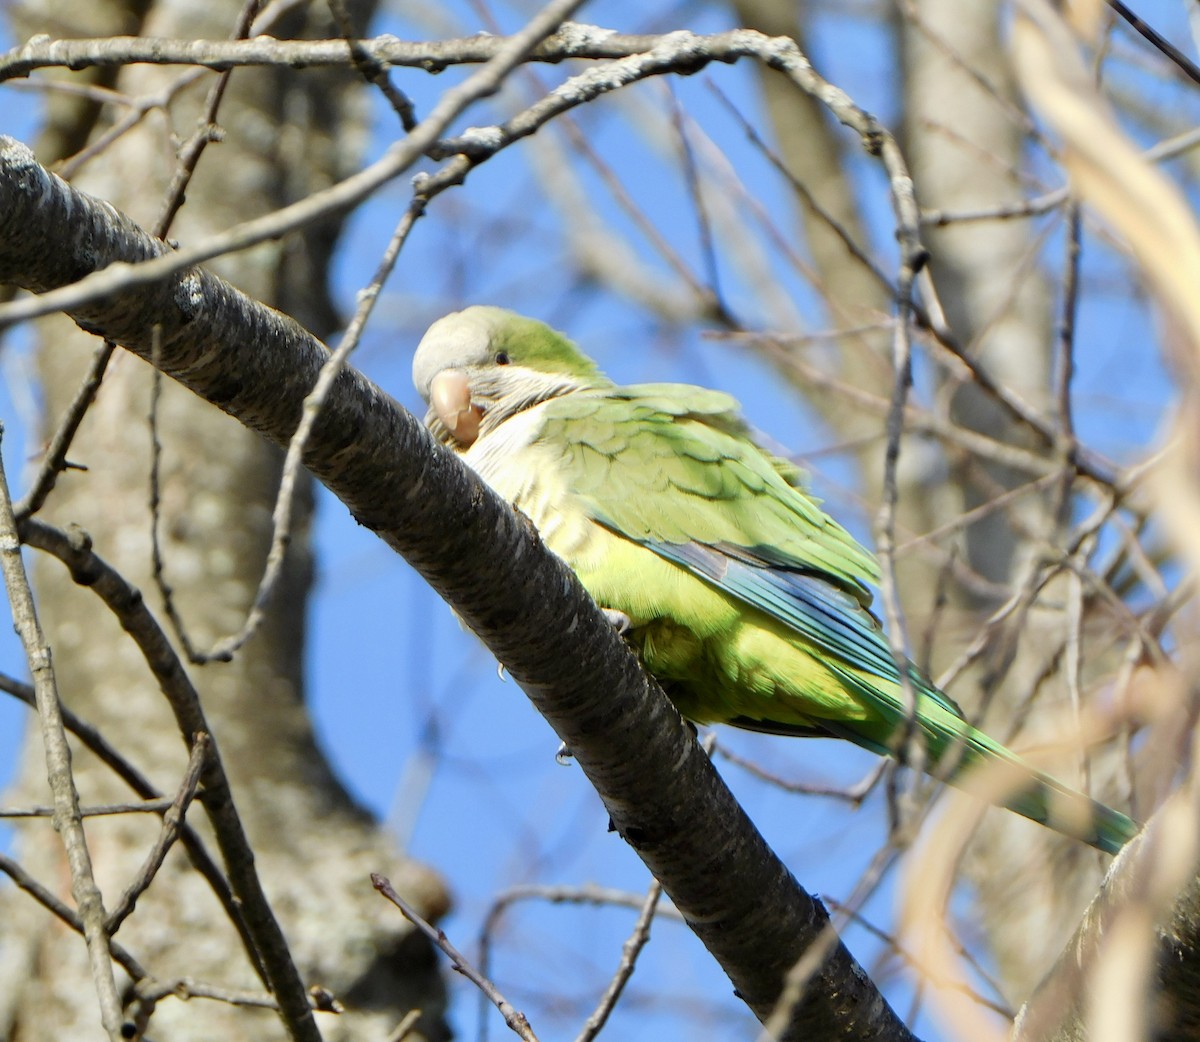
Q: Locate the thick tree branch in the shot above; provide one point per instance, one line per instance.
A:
(662, 793)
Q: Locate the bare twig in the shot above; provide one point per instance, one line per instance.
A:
(55, 460)
(565, 40)
(514, 1018)
(885, 524)
(907, 957)
(584, 894)
(281, 517)
(801, 974)
(48, 900)
(267, 944)
(629, 953)
(206, 130)
(156, 806)
(854, 794)
(67, 820)
(151, 991)
(139, 109)
(373, 70)
(167, 835)
(197, 853)
(695, 186)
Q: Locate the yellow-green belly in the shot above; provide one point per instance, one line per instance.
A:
(720, 658)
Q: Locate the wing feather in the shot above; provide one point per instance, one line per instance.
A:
(681, 467)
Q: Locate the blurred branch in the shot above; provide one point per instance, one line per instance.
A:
(630, 950)
(1153, 883)
(514, 1018)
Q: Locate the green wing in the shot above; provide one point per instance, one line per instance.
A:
(675, 464)
(674, 468)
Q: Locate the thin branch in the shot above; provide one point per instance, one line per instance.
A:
(514, 1018)
(1178, 59)
(139, 109)
(58, 908)
(149, 992)
(206, 130)
(172, 820)
(629, 953)
(909, 959)
(268, 944)
(854, 794)
(695, 186)
(803, 192)
(158, 563)
(197, 853)
(584, 894)
(885, 524)
(567, 40)
(68, 822)
(281, 516)
(101, 810)
(373, 70)
(55, 460)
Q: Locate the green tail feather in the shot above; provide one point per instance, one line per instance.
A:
(1102, 827)
(953, 747)
(848, 641)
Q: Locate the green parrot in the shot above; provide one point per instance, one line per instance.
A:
(742, 597)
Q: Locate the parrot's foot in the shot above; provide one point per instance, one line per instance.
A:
(618, 620)
(564, 756)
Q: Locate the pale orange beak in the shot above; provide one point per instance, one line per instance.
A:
(450, 396)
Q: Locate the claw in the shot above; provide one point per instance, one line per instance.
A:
(564, 755)
(618, 620)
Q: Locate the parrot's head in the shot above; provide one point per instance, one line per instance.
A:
(477, 367)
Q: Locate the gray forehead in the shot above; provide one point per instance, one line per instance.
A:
(459, 339)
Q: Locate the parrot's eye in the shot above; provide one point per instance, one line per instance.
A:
(502, 358)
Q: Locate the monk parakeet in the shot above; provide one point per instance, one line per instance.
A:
(743, 598)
